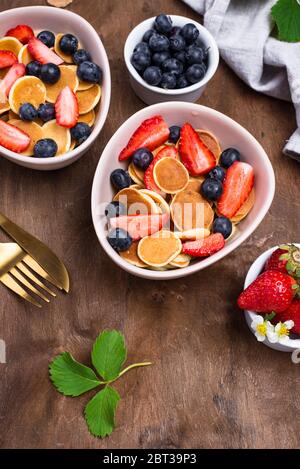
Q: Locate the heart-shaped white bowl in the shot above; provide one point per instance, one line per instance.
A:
(229, 133)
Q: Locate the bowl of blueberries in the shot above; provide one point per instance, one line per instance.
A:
(170, 58)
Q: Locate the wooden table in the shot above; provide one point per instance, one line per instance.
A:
(212, 385)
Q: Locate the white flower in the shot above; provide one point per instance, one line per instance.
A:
(281, 332)
(261, 327)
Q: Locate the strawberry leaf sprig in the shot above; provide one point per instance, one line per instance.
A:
(72, 378)
(286, 14)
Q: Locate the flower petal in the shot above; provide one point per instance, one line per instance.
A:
(289, 324)
(259, 337)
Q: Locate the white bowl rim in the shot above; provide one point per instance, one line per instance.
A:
(195, 267)
(70, 155)
(210, 72)
(253, 272)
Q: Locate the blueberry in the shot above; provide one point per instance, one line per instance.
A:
(217, 173)
(222, 225)
(142, 158)
(211, 189)
(90, 72)
(80, 56)
(80, 132)
(175, 30)
(50, 73)
(168, 81)
(115, 209)
(195, 73)
(177, 43)
(120, 179)
(180, 55)
(194, 55)
(47, 37)
(172, 65)
(148, 34)
(229, 156)
(190, 33)
(140, 61)
(45, 148)
(119, 239)
(68, 44)
(182, 82)
(174, 133)
(163, 24)
(159, 43)
(28, 112)
(34, 68)
(159, 57)
(46, 112)
(142, 47)
(152, 75)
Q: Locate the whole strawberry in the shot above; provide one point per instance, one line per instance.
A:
(285, 259)
(291, 313)
(270, 291)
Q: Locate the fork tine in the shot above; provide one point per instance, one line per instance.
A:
(20, 277)
(38, 269)
(32, 277)
(10, 283)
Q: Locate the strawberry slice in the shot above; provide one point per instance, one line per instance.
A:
(66, 108)
(13, 138)
(151, 134)
(139, 226)
(237, 186)
(7, 58)
(22, 32)
(204, 247)
(168, 150)
(195, 155)
(16, 71)
(42, 53)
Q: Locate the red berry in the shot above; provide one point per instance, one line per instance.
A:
(204, 247)
(194, 154)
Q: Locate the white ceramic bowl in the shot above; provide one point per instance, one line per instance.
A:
(254, 271)
(230, 134)
(153, 94)
(59, 20)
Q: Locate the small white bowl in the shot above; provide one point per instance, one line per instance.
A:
(58, 21)
(254, 271)
(153, 94)
(229, 133)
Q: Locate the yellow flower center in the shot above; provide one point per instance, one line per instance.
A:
(283, 330)
(262, 329)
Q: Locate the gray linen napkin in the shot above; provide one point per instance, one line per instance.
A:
(242, 30)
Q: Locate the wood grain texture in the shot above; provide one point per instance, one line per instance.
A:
(213, 385)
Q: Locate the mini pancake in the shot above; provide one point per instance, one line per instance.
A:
(27, 89)
(194, 184)
(73, 144)
(24, 56)
(88, 99)
(193, 234)
(136, 186)
(190, 210)
(139, 172)
(136, 202)
(133, 175)
(4, 107)
(61, 135)
(170, 175)
(210, 141)
(66, 57)
(159, 249)
(12, 44)
(88, 118)
(132, 257)
(245, 208)
(68, 77)
(34, 131)
(182, 260)
(158, 199)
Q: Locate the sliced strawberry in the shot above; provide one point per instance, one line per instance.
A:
(195, 155)
(66, 108)
(22, 32)
(237, 186)
(204, 247)
(16, 71)
(13, 138)
(7, 58)
(42, 53)
(139, 226)
(168, 150)
(151, 134)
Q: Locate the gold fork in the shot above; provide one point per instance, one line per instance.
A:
(18, 270)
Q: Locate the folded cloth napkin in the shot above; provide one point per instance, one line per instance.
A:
(242, 30)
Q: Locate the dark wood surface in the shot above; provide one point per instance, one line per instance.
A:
(212, 384)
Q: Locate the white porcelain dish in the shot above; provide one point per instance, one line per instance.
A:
(59, 20)
(229, 132)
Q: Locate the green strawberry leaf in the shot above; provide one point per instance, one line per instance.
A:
(298, 272)
(270, 316)
(109, 354)
(70, 377)
(286, 14)
(284, 257)
(100, 412)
